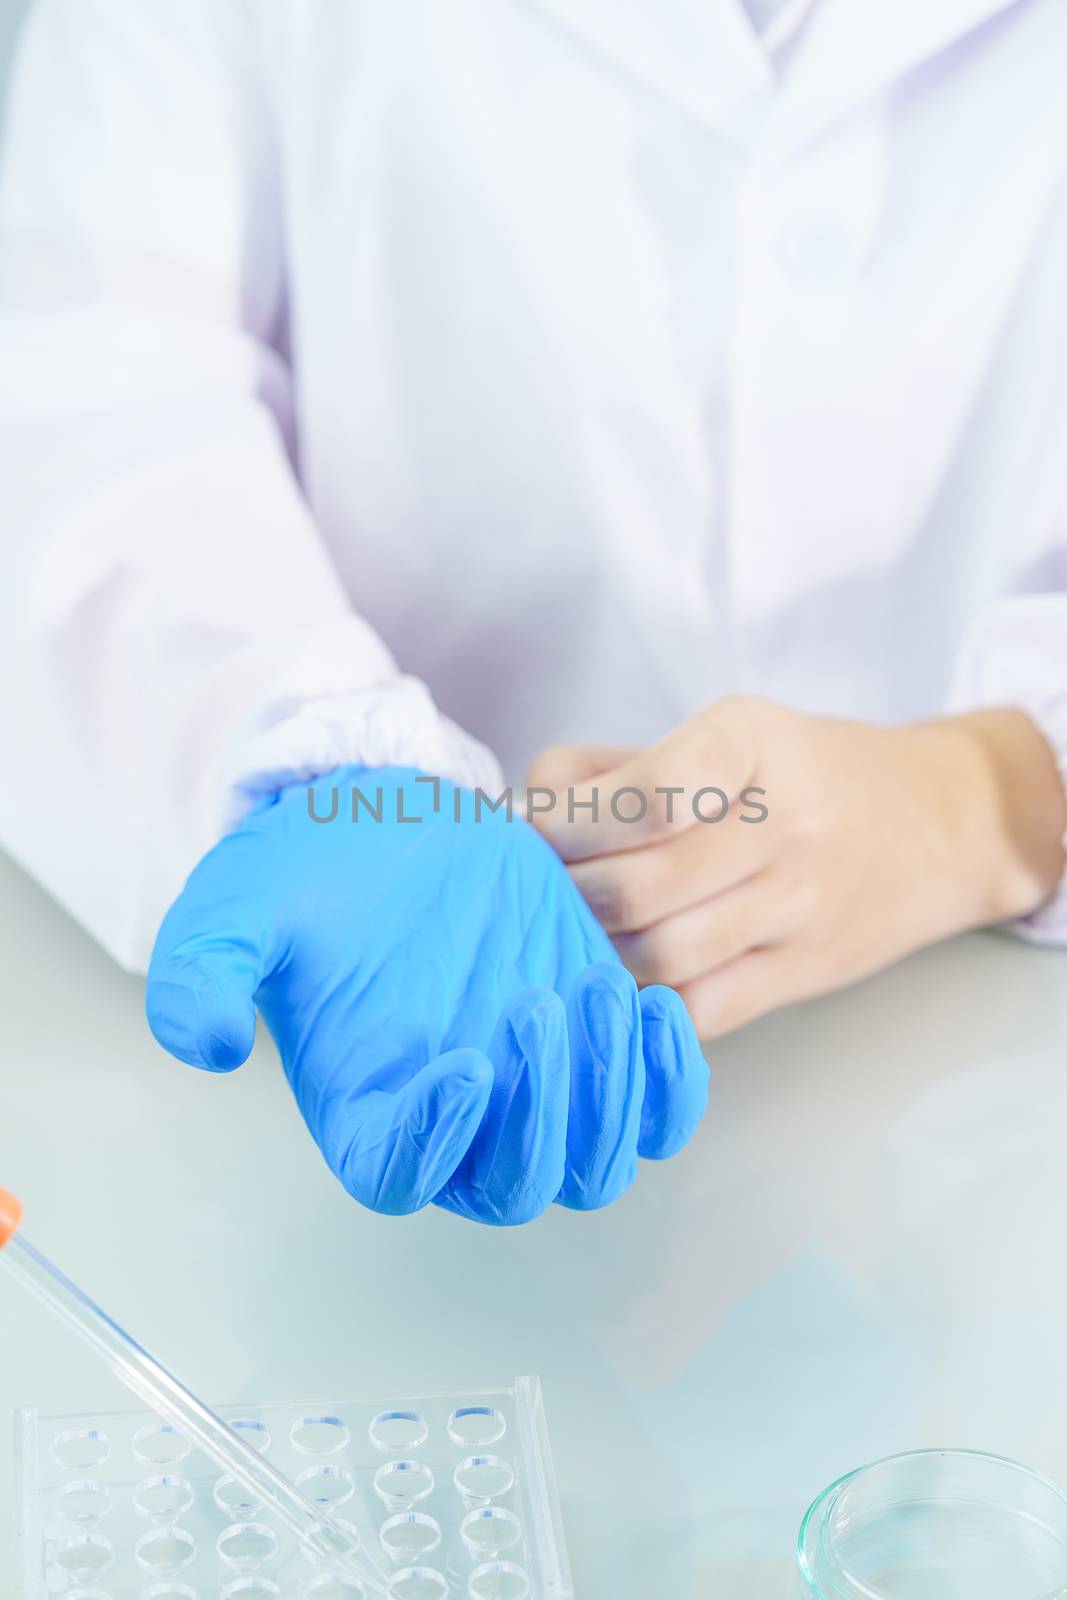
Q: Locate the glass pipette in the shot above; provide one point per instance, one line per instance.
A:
(320, 1537)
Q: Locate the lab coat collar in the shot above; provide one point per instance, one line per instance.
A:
(705, 56)
(849, 51)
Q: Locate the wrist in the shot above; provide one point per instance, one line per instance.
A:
(1004, 810)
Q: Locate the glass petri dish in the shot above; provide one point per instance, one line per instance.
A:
(936, 1525)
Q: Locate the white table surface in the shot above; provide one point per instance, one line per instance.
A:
(862, 1252)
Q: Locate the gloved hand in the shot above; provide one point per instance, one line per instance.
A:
(453, 1021)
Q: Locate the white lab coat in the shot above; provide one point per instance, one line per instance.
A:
(580, 360)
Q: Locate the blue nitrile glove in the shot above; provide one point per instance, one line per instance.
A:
(454, 1022)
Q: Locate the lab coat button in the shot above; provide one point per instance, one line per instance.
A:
(816, 252)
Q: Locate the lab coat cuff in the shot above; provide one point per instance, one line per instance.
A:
(1048, 924)
(394, 724)
(1016, 655)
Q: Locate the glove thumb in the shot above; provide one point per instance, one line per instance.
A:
(211, 955)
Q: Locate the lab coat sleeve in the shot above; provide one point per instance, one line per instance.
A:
(174, 638)
(1016, 654)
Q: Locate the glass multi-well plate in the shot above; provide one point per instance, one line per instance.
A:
(451, 1495)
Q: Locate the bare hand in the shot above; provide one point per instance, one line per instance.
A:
(875, 841)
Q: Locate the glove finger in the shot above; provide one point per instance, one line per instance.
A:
(515, 1167)
(213, 949)
(676, 1074)
(395, 1152)
(607, 1087)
